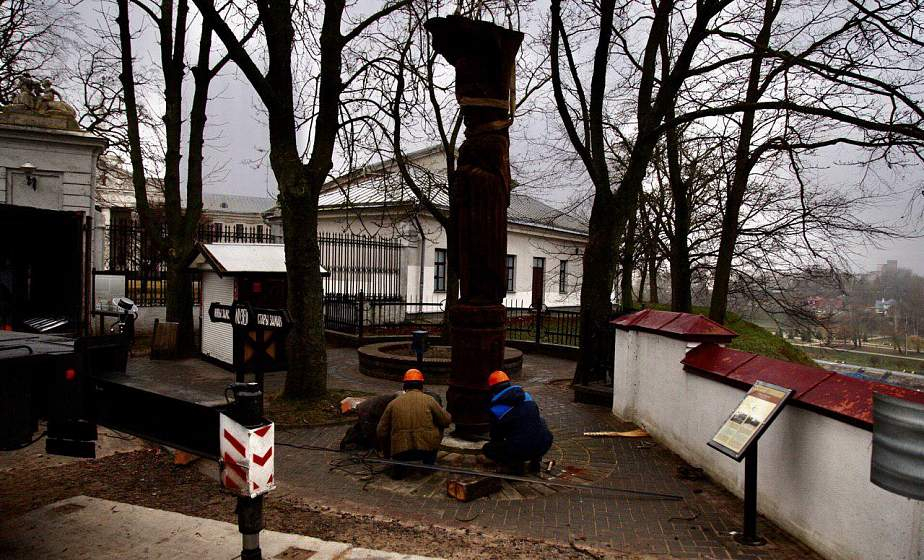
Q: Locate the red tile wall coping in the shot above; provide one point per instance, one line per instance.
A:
(825, 392)
(683, 326)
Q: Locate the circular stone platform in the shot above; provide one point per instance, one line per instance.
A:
(389, 360)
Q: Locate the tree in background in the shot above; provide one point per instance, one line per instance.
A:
(33, 36)
(651, 90)
(171, 21)
(309, 42)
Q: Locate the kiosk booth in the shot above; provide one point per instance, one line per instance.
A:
(254, 273)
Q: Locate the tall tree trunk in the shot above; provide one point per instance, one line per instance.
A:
(628, 255)
(643, 277)
(744, 162)
(596, 288)
(180, 304)
(653, 277)
(681, 276)
(306, 352)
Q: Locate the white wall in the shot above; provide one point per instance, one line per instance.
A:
(63, 166)
(65, 163)
(217, 338)
(522, 241)
(813, 471)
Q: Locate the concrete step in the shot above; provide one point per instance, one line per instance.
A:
(84, 527)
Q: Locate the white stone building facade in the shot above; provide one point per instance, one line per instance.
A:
(374, 202)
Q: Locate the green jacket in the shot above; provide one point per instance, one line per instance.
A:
(412, 421)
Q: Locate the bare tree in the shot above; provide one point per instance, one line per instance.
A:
(181, 224)
(653, 95)
(32, 38)
(814, 76)
(281, 24)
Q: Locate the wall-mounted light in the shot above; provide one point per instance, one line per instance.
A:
(31, 179)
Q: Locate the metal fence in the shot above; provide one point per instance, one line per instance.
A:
(380, 315)
(131, 251)
(357, 263)
(544, 326)
(377, 315)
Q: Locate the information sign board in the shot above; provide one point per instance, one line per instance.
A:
(754, 414)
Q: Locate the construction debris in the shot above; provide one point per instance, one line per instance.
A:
(472, 488)
(349, 404)
(637, 433)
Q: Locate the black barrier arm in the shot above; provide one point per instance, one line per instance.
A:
(180, 424)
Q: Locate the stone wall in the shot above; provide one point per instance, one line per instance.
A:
(814, 460)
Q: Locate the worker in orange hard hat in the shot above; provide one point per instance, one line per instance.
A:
(519, 435)
(411, 428)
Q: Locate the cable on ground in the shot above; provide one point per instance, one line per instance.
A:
(354, 460)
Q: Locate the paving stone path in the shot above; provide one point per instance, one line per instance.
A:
(698, 526)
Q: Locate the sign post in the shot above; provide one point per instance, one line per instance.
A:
(254, 342)
(246, 465)
(737, 438)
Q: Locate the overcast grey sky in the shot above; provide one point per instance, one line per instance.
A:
(238, 143)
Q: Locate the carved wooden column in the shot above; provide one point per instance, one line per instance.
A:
(483, 55)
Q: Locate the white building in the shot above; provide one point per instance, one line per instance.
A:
(226, 216)
(374, 201)
(47, 197)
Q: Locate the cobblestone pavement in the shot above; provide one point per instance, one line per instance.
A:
(697, 526)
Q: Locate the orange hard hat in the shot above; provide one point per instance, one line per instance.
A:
(497, 377)
(413, 375)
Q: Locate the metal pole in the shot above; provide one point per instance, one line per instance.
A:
(86, 324)
(749, 535)
(250, 523)
(248, 411)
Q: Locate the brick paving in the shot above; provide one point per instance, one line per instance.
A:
(696, 527)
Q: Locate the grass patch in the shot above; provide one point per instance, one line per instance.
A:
(894, 363)
(756, 339)
(310, 412)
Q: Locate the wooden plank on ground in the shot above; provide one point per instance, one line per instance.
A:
(471, 488)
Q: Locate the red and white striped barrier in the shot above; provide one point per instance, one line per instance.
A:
(247, 462)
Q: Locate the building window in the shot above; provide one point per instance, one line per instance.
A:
(260, 233)
(511, 273)
(439, 271)
(239, 232)
(563, 277)
(217, 230)
(539, 262)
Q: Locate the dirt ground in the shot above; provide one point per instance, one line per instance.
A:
(148, 477)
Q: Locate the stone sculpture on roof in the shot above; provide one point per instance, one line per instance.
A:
(39, 104)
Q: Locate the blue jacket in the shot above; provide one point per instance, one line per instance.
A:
(517, 425)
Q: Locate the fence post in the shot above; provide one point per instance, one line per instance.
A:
(360, 313)
(538, 326)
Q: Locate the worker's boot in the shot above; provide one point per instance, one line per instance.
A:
(397, 472)
(518, 468)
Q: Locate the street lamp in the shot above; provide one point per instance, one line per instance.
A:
(31, 180)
